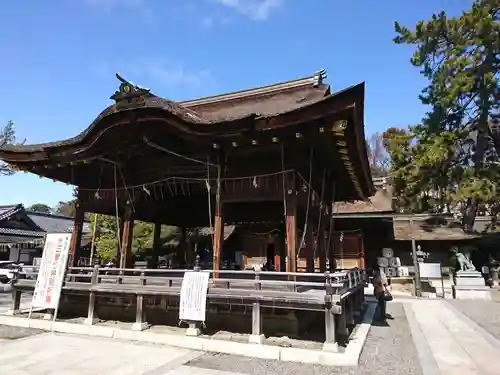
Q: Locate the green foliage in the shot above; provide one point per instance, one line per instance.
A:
(107, 241)
(142, 242)
(7, 137)
(438, 165)
(40, 207)
(66, 208)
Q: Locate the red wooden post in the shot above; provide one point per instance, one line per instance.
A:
(218, 235)
(218, 240)
(76, 238)
(291, 226)
(127, 236)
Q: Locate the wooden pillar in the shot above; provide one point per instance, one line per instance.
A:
(218, 239)
(341, 321)
(331, 246)
(362, 264)
(94, 280)
(16, 302)
(322, 243)
(156, 236)
(156, 243)
(127, 236)
(181, 250)
(76, 238)
(218, 235)
(330, 342)
(329, 239)
(291, 226)
(309, 252)
(121, 223)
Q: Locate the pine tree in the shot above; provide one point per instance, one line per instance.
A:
(7, 137)
(452, 150)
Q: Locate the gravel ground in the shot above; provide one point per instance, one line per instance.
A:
(388, 350)
(12, 333)
(484, 313)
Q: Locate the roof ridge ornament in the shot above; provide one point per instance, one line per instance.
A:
(319, 77)
(129, 90)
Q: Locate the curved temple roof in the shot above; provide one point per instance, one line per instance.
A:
(211, 118)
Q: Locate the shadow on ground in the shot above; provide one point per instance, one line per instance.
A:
(14, 333)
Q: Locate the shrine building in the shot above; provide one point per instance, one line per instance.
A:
(272, 158)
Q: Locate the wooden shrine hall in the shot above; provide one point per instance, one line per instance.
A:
(277, 154)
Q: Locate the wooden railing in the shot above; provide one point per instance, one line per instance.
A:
(229, 283)
(336, 293)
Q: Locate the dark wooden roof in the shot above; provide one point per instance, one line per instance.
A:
(227, 114)
(270, 100)
(381, 202)
(331, 123)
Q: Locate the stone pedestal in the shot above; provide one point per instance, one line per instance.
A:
(494, 277)
(193, 329)
(331, 347)
(90, 321)
(470, 285)
(140, 326)
(256, 339)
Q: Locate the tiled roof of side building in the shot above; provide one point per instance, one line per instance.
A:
(380, 202)
(56, 223)
(9, 210)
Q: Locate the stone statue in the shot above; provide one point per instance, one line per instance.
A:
(463, 259)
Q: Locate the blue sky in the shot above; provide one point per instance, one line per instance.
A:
(60, 56)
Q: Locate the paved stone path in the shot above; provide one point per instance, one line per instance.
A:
(447, 344)
(446, 341)
(57, 354)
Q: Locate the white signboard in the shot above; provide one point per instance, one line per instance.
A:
(193, 301)
(52, 268)
(430, 270)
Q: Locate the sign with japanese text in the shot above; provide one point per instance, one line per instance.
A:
(193, 301)
(430, 270)
(52, 270)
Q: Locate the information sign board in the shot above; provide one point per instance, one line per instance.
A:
(52, 270)
(193, 299)
(430, 270)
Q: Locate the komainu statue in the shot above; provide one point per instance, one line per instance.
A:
(463, 259)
